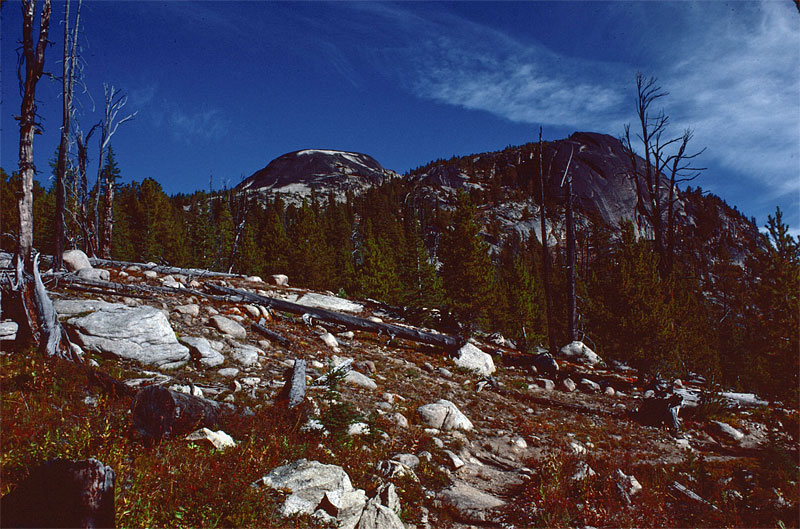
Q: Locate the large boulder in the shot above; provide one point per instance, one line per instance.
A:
(314, 486)
(580, 352)
(75, 260)
(322, 301)
(94, 274)
(140, 333)
(444, 415)
(472, 358)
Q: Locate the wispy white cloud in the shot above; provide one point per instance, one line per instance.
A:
(740, 91)
(191, 126)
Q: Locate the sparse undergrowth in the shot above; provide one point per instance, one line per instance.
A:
(48, 411)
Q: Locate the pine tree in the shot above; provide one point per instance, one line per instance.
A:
(467, 273)
(378, 275)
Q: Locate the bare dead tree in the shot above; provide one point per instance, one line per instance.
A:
(115, 100)
(67, 80)
(551, 338)
(240, 208)
(31, 63)
(655, 193)
(570, 221)
(88, 234)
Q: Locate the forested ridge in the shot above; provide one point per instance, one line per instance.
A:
(732, 319)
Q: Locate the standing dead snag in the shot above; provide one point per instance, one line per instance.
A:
(114, 102)
(655, 194)
(32, 64)
(67, 83)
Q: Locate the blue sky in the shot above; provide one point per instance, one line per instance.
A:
(225, 87)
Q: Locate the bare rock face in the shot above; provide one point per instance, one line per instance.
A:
(140, 333)
(471, 505)
(75, 260)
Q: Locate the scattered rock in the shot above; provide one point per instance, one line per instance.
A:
(192, 309)
(359, 379)
(201, 349)
(726, 431)
(470, 504)
(582, 472)
(219, 439)
(545, 383)
(455, 461)
(8, 330)
(658, 411)
(568, 385)
(628, 486)
(252, 310)
(394, 469)
(330, 341)
(580, 352)
(94, 274)
(280, 280)
(229, 327)
(691, 495)
(358, 428)
(255, 279)
(446, 373)
(409, 460)
(75, 260)
(472, 358)
(399, 419)
(228, 372)
(589, 386)
(245, 355)
(308, 482)
(444, 415)
(609, 391)
(150, 274)
(545, 364)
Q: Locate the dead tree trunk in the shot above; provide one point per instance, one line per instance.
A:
(62, 493)
(114, 102)
(89, 237)
(158, 412)
(551, 339)
(32, 63)
(571, 300)
(63, 147)
(350, 322)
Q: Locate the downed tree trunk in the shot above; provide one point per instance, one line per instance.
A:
(294, 391)
(275, 337)
(162, 269)
(62, 493)
(350, 322)
(159, 412)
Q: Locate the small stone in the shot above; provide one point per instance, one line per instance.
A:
(568, 385)
(75, 260)
(455, 461)
(399, 419)
(545, 383)
(192, 309)
(358, 428)
(246, 355)
(409, 460)
(251, 381)
(472, 358)
(359, 379)
(443, 414)
(280, 280)
(331, 341)
(726, 431)
(252, 310)
(446, 373)
(228, 372)
(255, 279)
(150, 274)
(228, 326)
(219, 439)
(589, 386)
(609, 391)
(94, 274)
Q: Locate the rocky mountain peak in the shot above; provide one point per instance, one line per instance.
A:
(295, 174)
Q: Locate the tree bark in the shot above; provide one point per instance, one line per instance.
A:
(571, 297)
(62, 493)
(159, 412)
(33, 63)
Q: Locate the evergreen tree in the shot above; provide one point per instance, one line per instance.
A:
(378, 276)
(274, 242)
(467, 273)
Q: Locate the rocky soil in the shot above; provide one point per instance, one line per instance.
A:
(494, 433)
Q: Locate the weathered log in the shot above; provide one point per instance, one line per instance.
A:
(275, 337)
(294, 391)
(349, 322)
(54, 340)
(163, 269)
(158, 412)
(122, 289)
(62, 493)
(108, 384)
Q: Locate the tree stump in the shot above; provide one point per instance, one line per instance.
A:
(62, 493)
(159, 412)
(294, 391)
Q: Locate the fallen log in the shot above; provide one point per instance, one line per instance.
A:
(62, 493)
(350, 322)
(158, 412)
(275, 337)
(162, 269)
(120, 289)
